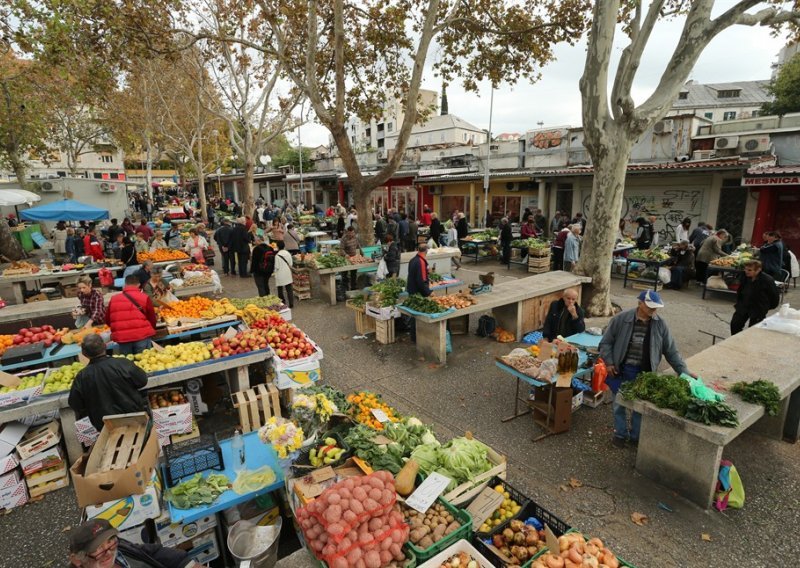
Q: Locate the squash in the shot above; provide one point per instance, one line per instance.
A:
(404, 482)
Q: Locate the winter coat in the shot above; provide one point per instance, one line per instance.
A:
(392, 258)
(92, 247)
(380, 229)
(710, 250)
(462, 228)
(757, 296)
(292, 240)
(349, 243)
(771, 255)
(418, 276)
(223, 237)
(505, 235)
(60, 241)
(263, 261)
(556, 313)
(128, 255)
(283, 268)
(436, 230)
(107, 386)
(240, 240)
(128, 323)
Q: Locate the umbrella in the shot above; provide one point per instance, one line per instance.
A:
(64, 210)
(14, 197)
(168, 184)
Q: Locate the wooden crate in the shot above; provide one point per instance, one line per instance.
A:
(124, 444)
(364, 323)
(257, 405)
(384, 331)
(538, 264)
(646, 286)
(538, 253)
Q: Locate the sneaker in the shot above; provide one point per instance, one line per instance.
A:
(618, 442)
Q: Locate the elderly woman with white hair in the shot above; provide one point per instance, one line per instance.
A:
(572, 247)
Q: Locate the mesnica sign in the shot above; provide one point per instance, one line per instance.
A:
(775, 180)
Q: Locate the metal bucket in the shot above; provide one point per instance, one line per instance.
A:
(253, 546)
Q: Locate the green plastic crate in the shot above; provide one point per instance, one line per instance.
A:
(464, 531)
(545, 550)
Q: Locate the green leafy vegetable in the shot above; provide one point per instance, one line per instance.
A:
(389, 291)
(419, 303)
(712, 413)
(403, 437)
(760, 392)
(461, 459)
(197, 490)
(331, 261)
(665, 391)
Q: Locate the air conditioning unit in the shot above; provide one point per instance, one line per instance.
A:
(663, 126)
(754, 144)
(381, 154)
(702, 154)
(436, 189)
(726, 143)
(47, 187)
(106, 187)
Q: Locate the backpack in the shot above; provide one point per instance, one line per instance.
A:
(730, 490)
(486, 326)
(268, 260)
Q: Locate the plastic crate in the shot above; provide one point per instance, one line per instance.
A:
(516, 495)
(532, 509)
(188, 458)
(462, 532)
(304, 459)
(411, 560)
(546, 550)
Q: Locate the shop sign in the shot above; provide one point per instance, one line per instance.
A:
(772, 180)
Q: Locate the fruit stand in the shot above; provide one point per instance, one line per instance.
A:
(479, 246)
(652, 260)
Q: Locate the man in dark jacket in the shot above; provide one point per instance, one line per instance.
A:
(413, 232)
(505, 240)
(262, 265)
(644, 233)
(95, 544)
(132, 318)
(392, 257)
(222, 236)
(418, 273)
(564, 317)
(757, 294)
(462, 228)
(240, 245)
(107, 385)
(436, 229)
(380, 228)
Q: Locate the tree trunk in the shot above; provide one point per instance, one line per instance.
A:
(366, 231)
(608, 186)
(246, 198)
(148, 177)
(18, 166)
(201, 181)
(9, 246)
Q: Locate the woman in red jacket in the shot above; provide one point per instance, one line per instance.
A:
(132, 318)
(92, 245)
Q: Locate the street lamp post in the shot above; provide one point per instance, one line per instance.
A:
(300, 149)
(488, 159)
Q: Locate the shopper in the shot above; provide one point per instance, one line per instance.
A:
(681, 265)
(240, 246)
(462, 228)
(540, 221)
(427, 217)
(222, 236)
(682, 230)
(156, 289)
(699, 235)
(158, 242)
(340, 226)
(634, 342)
(127, 253)
(771, 254)
(283, 275)
(757, 294)
(145, 229)
(436, 229)
(392, 257)
(711, 249)
(262, 265)
(132, 318)
(70, 246)
(572, 247)
(92, 245)
(559, 242)
(349, 246)
(380, 228)
(413, 235)
(505, 240)
(277, 231)
(292, 239)
(96, 544)
(392, 228)
(59, 236)
(196, 246)
(644, 233)
(113, 231)
(92, 309)
(564, 317)
(144, 272)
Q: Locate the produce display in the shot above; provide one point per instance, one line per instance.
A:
(503, 335)
(461, 560)
(66, 267)
(264, 302)
(576, 551)
(172, 356)
(434, 277)
(252, 480)
(161, 255)
(20, 267)
(424, 305)
(519, 542)
(530, 243)
(242, 342)
(197, 307)
(359, 259)
(735, 260)
(403, 438)
(330, 261)
(202, 280)
(326, 453)
(25, 383)
(164, 399)
(480, 237)
(46, 334)
(6, 341)
(460, 459)
(429, 527)
(363, 403)
(525, 364)
(193, 267)
(457, 301)
(197, 490)
(388, 291)
(760, 392)
(61, 379)
(77, 335)
(289, 342)
(506, 511)
(649, 254)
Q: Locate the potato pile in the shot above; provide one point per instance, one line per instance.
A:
(575, 552)
(519, 542)
(457, 301)
(431, 527)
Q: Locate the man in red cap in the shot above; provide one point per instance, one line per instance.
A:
(95, 544)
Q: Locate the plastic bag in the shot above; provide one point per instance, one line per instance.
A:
(382, 270)
(664, 275)
(599, 376)
(730, 489)
(701, 391)
(106, 277)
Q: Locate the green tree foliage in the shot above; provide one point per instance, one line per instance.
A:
(291, 157)
(786, 89)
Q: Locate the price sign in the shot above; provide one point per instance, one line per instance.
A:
(428, 491)
(380, 415)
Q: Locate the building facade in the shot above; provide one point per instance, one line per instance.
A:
(721, 101)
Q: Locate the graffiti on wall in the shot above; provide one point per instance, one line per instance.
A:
(669, 206)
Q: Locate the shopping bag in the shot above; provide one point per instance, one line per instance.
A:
(382, 270)
(730, 489)
(106, 277)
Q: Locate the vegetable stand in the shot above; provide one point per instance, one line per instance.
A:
(724, 271)
(472, 248)
(692, 472)
(257, 454)
(656, 264)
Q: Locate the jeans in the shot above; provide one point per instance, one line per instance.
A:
(286, 294)
(629, 373)
(262, 283)
(228, 263)
(133, 347)
(243, 257)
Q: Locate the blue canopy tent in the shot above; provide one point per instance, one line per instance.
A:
(64, 210)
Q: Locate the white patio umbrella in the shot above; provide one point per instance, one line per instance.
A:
(14, 197)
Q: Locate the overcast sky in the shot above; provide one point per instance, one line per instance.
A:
(738, 54)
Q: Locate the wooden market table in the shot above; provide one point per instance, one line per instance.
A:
(234, 367)
(684, 455)
(34, 310)
(723, 271)
(468, 246)
(518, 306)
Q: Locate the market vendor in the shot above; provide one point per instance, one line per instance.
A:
(107, 385)
(92, 310)
(349, 246)
(634, 342)
(140, 243)
(132, 318)
(155, 287)
(418, 282)
(564, 317)
(158, 241)
(96, 544)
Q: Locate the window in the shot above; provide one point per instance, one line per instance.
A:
(465, 137)
(97, 175)
(729, 93)
(380, 143)
(380, 127)
(368, 133)
(106, 158)
(730, 115)
(709, 115)
(114, 175)
(389, 127)
(61, 174)
(755, 113)
(683, 96)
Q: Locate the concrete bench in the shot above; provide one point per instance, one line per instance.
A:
(684, 455)
(518, 306)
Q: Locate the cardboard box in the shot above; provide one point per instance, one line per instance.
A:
(10, 435)
(37, 298)
(14, 496)
(9, 480)
(87, 434)
(172, 534)
(196, 402)
(55, 475)
(48, 458)
(194, 433)
(38, 439)
(8, 463)
(95, 484)
(293, 374)
(171, 420)
(133, 534)
(203, 548)
(132, 510)
(69, 290)
(577, 399)
(49, 487)
(268, 518)
(18, 396)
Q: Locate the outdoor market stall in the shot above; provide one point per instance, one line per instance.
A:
(646, 279)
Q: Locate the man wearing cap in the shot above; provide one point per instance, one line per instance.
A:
(223, 238)
(95, 544)
(635, 342)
